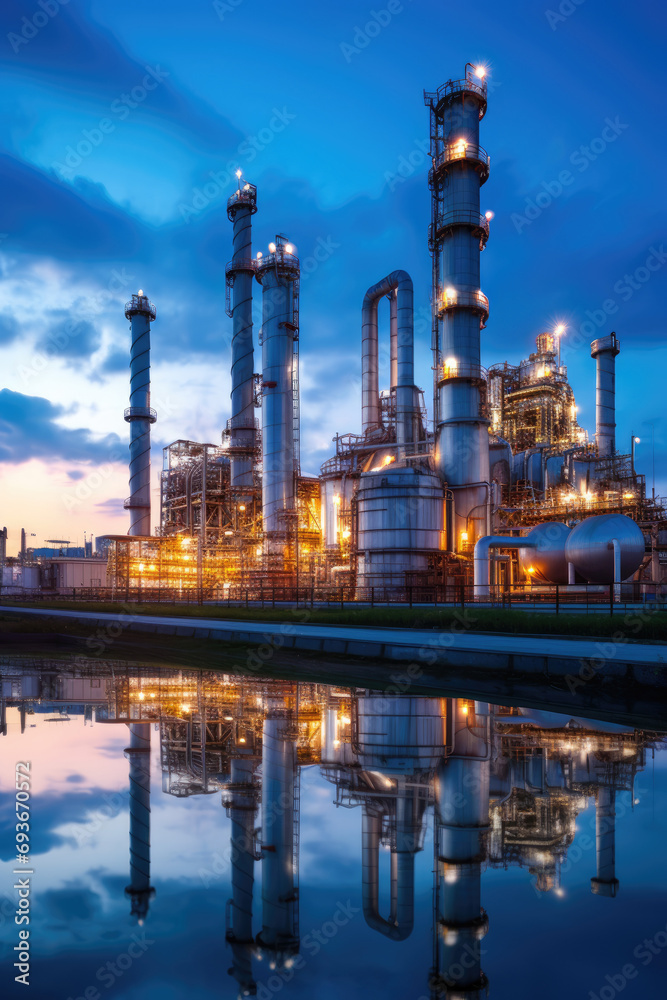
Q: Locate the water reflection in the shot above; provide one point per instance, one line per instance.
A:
(503, 787)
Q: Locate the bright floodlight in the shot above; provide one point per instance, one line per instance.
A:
(141, 291)
(272, 248)
(480, 71)
(489, 215)
(259, 255)
(560, 329)
(289, 248)
(637, 441)
(238, 173)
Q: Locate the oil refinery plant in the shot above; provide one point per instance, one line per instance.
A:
(501, 491)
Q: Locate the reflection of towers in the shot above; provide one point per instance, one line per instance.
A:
(605, 883)
(462, 817)
(241, 802)
(139, 754)
(280, 790)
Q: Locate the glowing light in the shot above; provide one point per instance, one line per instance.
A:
(141, 291)
(185, 708)
(388, 459)
(141, 567)
(464, 709)
(141, 696)
(152, 696)
(531, 569)
(238, 173)
(289, 248)
(489, 215)
(451, 365)
(152, 566)
(229, 718)
(637, 440)
(450, 295)
(259, 255)
(560, 330)
(336, 500)
(461, 147)
(241, 506)
(246, 187)
(480, 71)
(242, 739)
(345, 720)
(185, 542)
(272, 248)
(628, 496)
(464, 536)
(228, 534)
(346, 533)
(336, 743)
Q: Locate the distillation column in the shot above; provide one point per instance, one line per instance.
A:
(457, 234)
(462, 818)
(278, 274)
(604, 351)
(140, 416)
(140, 890)
(605, 883)
(241, 804)
(239, 275)
(280, 915)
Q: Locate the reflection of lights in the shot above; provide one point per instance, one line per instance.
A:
(451, 876)
(560, 892)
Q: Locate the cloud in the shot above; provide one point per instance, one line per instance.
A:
(9, 328)
(71, 338)
(29, 428)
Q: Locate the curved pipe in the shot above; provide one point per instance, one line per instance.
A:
(482, 561)
(400, 283)
(399, 926)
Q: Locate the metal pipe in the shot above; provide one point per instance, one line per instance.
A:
(399, 282)
(615, 544)
(239, 273)
(482, 563)
(139, 414)
(401, 920)
(138, 753)
(393, 340)
(604, 351)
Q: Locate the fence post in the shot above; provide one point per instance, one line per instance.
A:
(557, 599)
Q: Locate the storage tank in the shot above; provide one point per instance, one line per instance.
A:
(546, 562)
(401, 518)
(589, 547)
(398, 734)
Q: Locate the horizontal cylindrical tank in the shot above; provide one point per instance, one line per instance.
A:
(589, 547)
(546, 560)
(401, 518)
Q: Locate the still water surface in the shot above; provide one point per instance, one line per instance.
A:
(197, 835)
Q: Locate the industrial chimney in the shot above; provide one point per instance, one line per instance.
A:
(604, 350)
(457, 234)
(139, 414)
(278, 273)
(239, 277)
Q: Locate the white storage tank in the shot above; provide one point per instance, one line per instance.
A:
(397, 734)
(546, 562)
(401, 518)
(589, 547)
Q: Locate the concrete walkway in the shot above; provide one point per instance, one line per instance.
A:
(458, 647)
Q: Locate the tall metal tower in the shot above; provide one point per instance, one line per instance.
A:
(239, 277)
(140, 889)
(457, 234)
(139, 414)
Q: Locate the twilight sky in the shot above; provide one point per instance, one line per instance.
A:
(117, 119)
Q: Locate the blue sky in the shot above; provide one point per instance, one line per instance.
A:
(116, 118)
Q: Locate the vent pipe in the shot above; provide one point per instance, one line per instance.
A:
(604, 351)
(141, 313)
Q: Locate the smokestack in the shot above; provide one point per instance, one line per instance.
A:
(278, 273)
(604, 350)
(139, 414)
(140, 890)
(239, 276)
(457, 234)
(241, 804)
(605, 882)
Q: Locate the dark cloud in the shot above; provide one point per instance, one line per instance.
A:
(29, 429)
(9, 328)
(71, 338)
